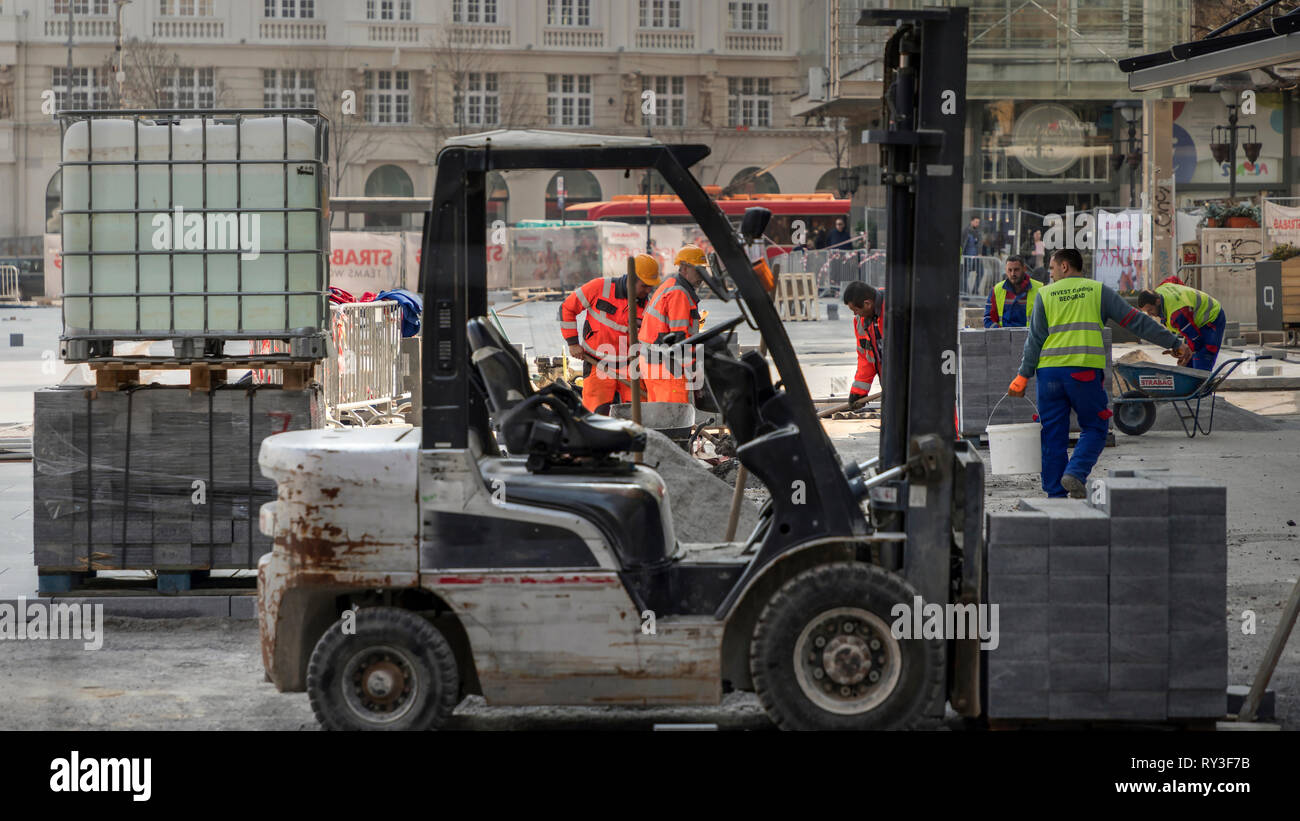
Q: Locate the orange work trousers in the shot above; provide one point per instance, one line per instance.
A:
(662, 386)
(599, 389)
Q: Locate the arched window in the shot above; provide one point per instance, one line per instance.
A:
(750, 181)
(388, 181)
(828, 183)
(53, 202)
(579, 186)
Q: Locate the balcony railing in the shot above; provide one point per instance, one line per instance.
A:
(92, 27)
(189, 29)
(392, 33)
(665, 40)
(746, 41)
(574, 38)
(292, 30)
(479, 35)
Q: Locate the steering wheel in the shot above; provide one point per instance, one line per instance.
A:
(712, 333)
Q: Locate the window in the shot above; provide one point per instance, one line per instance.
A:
(81, 88)
(388, 97)
(99, 8)
(387, 9)
(474, 11)
(749, 16)
(188, 88)
(568, 12)
(660, 14)
(477, 100)
(185, 8)
(749, 101)
(670, 101)
(568, 99)
(288, 88)
(306, 9)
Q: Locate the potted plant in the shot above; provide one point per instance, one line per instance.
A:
(1285, 251)
(1214, 214)
(1242, 215)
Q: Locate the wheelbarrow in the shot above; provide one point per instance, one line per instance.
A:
(1143, 384)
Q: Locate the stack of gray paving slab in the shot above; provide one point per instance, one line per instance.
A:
(988, 359)
(1114, 608)
(159, 477)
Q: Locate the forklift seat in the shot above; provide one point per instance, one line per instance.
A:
(551, 423)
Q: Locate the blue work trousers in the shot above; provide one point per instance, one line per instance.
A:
(1207, 347)
(1061, 390)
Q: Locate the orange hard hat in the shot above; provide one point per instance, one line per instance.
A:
(647, 269)
(691, 254)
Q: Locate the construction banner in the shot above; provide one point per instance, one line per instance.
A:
(1281, 225)
(362, 261)
(54, 265)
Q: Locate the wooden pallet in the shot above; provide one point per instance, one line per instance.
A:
(796, 297)
(114, 374)
(544, 294)
(197, 582)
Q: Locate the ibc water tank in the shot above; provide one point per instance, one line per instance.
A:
(194, 225)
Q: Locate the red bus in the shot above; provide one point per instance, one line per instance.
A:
(816, 210)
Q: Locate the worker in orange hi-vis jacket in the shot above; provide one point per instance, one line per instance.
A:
(602, 344)
(673, 309)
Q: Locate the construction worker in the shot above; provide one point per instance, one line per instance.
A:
(1012, 300)
(673, 309)
(868, 307)
(603, 343)
(1065, 350)
(1195, 314)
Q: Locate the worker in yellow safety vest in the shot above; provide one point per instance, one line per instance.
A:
(1066, 351)
(1011, 302)
(1196, 315)
(602, 344)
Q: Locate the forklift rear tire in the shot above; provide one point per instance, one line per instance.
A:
(823, 656)
(395, 671)
(1135, 418)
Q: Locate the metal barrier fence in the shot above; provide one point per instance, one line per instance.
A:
(9, 283)
(834, 267)
(363, 372)
(978, 276)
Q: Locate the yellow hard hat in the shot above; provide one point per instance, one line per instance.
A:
(691, 254)
(647, 269)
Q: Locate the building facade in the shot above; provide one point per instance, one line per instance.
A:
(1048, 109)
(398, 77)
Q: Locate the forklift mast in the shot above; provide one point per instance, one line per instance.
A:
(922, 155)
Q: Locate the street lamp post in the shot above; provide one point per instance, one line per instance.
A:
(1230, 88)
(1131, 151)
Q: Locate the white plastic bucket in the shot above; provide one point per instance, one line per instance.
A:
(1015, 448)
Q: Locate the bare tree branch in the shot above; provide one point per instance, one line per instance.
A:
(340, 96)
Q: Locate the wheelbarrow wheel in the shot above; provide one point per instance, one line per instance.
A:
(1135, 418)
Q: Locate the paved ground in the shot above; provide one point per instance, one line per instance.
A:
(206, 673)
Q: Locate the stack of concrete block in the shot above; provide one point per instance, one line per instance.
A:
(1111, 608)
(156, 478)
(988, 359)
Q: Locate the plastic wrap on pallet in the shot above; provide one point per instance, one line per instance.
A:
(156, 477)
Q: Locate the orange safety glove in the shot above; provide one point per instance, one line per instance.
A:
(1018, 385)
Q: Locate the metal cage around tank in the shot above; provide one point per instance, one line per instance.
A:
(301, 321)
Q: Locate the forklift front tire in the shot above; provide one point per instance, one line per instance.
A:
(824, 657)
(1135, 418)
(395, 671)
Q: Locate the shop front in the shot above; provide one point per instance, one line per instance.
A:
(1038, 157)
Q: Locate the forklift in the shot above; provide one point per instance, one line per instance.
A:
(509, 548)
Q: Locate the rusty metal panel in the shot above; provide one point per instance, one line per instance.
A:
(346, 499)
(577, 638)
